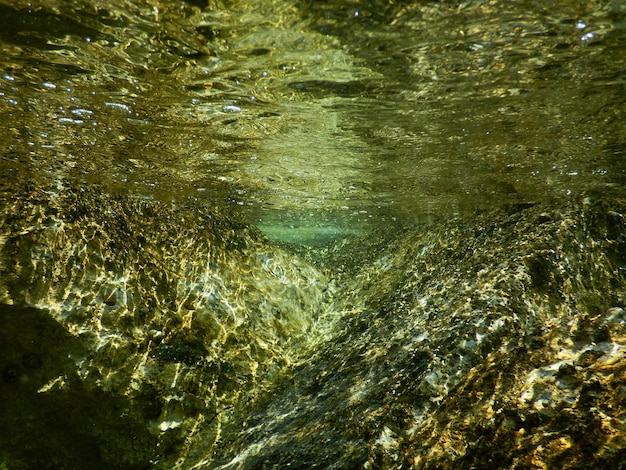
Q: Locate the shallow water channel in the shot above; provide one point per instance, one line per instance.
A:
(136, 135)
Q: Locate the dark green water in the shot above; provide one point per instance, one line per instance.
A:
(448, 178)
(317, 119)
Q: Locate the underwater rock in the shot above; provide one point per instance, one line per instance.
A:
(51, 416)
(494, 340)
(179, 312)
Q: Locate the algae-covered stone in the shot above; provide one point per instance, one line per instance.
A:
(461, 353)
(493, 340)
(179, 312)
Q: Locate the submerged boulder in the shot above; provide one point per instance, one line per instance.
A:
(178, 313)
(491, 340)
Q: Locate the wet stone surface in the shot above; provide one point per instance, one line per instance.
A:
(496, 340)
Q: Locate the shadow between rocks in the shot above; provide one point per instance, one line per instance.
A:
(51, 419)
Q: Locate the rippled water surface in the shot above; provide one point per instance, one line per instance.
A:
(316, 119)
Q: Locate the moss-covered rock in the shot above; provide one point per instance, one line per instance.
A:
(178, 313)
(492, 341)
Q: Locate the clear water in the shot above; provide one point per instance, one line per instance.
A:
(316, 119)
(312, 119)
